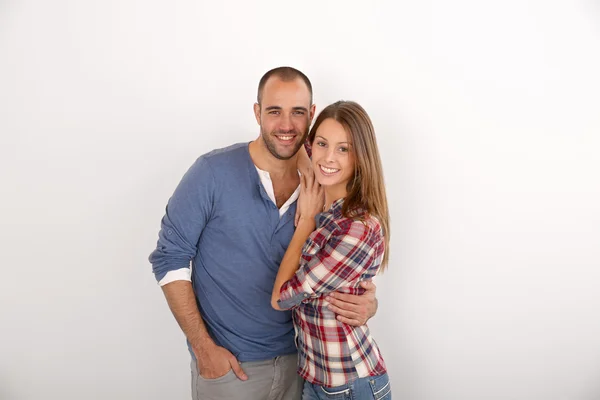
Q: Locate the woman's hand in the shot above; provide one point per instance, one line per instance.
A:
(311, 200)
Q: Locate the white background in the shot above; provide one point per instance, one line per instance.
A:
(487, 115)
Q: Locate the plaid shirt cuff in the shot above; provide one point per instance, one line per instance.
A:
(294, 292)
(293, 301)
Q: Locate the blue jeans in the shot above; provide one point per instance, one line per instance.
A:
(369, 388)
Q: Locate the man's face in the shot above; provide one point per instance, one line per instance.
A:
(284, 116)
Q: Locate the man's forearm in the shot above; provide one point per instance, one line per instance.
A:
(182, 303)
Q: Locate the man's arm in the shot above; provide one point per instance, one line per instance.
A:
(188, 212)
(213, 361)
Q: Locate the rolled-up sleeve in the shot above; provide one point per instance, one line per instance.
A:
(339, 261)
(187, 213)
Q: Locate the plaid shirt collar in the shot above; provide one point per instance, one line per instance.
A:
(335, 213)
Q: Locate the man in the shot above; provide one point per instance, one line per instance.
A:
(232, 215)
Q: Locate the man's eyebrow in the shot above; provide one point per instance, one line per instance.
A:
(269, 108)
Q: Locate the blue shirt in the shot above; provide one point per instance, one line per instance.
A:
(222, 219)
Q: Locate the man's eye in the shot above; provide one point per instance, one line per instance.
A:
(274, 112)
(299, 112)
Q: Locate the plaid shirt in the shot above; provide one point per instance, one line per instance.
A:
(339, 254)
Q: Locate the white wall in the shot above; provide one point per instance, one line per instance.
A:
(487, 115)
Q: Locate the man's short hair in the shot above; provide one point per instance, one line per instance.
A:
(286, 74)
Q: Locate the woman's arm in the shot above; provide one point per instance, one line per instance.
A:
(291, 259)
(310, 203)
(337, 257)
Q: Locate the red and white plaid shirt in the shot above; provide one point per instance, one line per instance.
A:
(339, 254)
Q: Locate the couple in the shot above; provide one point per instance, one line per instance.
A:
(245, 218)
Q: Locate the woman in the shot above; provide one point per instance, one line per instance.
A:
(342, 247)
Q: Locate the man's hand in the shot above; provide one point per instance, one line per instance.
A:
(214, 362)
(354, 309)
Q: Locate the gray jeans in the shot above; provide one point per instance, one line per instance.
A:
(274, 379)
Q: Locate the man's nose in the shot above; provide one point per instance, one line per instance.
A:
(285, 123)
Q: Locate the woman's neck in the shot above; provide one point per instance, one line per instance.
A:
(333, 193)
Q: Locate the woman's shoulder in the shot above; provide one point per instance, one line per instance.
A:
(363, 227)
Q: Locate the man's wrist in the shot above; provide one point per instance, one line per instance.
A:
(202, 344)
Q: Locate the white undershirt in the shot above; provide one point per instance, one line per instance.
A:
(185, 274)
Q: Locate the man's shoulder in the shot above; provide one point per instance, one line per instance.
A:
(226, 156)
(232, 151)
(225, 163)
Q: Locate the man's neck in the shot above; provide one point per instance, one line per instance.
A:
(263, 159)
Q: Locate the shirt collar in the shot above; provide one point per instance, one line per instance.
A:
(334, 212)
(336, 207)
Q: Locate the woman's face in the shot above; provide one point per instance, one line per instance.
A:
(332, 155)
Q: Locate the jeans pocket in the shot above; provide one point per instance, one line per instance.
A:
(380, 385)
(335, 393)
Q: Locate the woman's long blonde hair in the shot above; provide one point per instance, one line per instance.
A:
(366, 190)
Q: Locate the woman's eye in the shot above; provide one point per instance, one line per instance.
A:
(343, 149)
(320, 144)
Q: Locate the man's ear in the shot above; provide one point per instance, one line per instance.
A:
(257, 113)
(312, 112)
